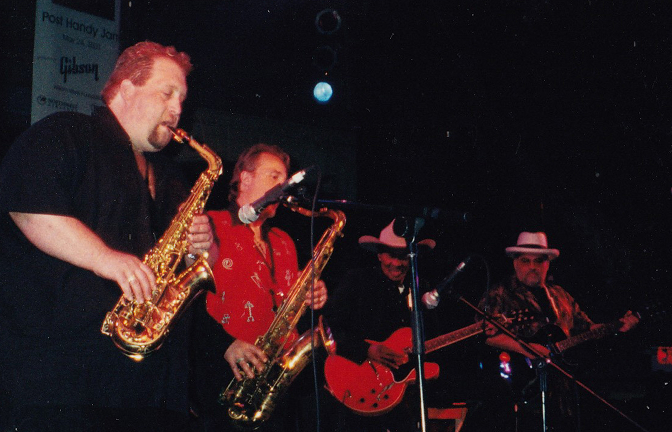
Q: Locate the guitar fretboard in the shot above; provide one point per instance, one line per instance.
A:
(452, 337)
(599, 332)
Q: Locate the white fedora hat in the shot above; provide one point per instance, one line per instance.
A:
(533, 243)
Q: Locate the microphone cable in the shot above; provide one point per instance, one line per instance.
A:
(312, 295)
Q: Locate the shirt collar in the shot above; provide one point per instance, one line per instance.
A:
(235, 220)
(107, 118)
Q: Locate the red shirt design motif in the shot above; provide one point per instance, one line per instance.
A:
(250, 287)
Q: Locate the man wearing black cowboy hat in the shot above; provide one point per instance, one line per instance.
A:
(529, 289)
(369, 305)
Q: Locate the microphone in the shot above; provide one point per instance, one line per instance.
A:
(250, 212)
(431, 298)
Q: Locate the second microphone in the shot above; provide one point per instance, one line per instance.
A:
(250, 212)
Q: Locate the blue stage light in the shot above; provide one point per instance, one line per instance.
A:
(323, 92)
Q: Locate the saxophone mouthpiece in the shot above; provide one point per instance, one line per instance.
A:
(178, 134)
(289, 199)
(299, 198)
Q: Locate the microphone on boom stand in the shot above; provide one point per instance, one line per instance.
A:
(250, 212)
(431, 299)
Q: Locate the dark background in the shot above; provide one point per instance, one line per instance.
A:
(529, 114)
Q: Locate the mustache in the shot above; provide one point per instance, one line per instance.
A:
(171, 121)
(534, 274)
(398, 268)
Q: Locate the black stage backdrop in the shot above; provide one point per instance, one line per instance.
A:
(529, 114)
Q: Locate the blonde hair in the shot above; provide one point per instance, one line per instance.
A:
(136, 62)
(247, 161)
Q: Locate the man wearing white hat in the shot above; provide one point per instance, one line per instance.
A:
(368, 305)
(529, 289)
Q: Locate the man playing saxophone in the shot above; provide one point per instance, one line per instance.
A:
(83, 198)
(256, 268)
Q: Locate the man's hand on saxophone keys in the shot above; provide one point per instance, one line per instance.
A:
(244, 357)
(201, 239)
(317, 297)
(135, 278)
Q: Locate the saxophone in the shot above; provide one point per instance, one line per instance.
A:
(252, 401)
(138, 329)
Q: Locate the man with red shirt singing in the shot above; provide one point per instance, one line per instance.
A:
(257, 267)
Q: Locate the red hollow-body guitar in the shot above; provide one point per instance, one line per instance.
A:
(372, 389)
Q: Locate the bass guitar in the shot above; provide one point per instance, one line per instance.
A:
(372, 389)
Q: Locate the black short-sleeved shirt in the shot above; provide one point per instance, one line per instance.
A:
(50, 311)
(366, 305)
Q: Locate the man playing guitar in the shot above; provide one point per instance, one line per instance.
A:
(366, 308)
(528, 288)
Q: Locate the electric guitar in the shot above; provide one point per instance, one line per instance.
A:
(557, 342)
(372, 389)
(521, 374)
(550, 333)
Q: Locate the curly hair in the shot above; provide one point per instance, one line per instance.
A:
(136, 62)
(247, 161)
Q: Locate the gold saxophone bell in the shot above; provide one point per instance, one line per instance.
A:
(139, 329)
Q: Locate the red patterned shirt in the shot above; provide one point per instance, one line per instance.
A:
(251, 284)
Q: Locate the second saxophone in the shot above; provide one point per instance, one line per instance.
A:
(252, 401)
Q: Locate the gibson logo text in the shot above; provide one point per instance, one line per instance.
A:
(69, 66)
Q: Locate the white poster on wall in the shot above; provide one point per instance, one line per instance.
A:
(76, 46)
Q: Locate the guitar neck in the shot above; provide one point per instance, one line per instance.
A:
(452, 337)
(598, 333)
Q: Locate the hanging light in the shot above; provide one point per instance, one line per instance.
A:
(328, 21)
(323, 92)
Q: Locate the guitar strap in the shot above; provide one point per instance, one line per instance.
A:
(546, 302)
(554, 306)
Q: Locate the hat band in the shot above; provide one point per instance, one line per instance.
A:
(532, 246)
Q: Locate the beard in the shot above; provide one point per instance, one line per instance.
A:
(160, 137)
(161, 134)
(532, 279)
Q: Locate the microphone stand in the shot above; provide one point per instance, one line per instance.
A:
(542, 363)
(406, 215)
(418, 328)
(410, 233)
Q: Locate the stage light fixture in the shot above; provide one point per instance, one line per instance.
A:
(324, 58)
(323, 92)
(328, 21)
